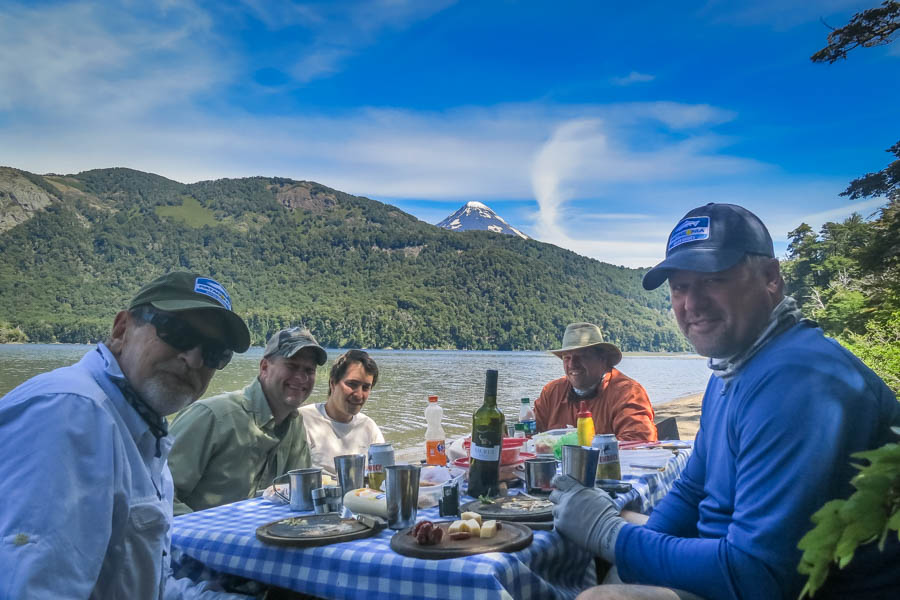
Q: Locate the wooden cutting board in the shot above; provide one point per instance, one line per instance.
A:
(313, 530)
(513, 508)
(511, 537)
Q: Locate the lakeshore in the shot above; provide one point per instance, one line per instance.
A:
(686, 411)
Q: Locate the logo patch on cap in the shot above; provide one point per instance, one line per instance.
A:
(213, 289)
(692, 229)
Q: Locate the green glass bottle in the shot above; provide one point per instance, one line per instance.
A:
(487, 443)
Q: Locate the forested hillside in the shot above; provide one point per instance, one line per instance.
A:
(358, 272)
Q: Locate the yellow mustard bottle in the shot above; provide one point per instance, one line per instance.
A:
(585, 425)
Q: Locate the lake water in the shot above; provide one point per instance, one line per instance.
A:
(407, 377)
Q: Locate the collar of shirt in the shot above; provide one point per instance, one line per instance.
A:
(255, 403)
(340, 429)
(108, 375)
(573, 396)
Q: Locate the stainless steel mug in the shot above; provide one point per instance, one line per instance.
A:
(538, 474)
(351, 471)
(580, 462)
(301, 483)
(402, 489)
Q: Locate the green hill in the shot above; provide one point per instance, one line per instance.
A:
(358, 272)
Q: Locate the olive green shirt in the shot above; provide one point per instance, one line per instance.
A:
(227, 447)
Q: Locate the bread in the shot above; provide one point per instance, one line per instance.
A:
(367, 501)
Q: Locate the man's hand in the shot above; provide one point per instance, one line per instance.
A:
(586, 516)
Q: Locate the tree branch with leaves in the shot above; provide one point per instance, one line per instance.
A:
(872, 27)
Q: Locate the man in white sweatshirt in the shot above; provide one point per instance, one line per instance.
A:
(337, 426)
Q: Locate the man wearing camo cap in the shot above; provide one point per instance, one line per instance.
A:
(229, 446)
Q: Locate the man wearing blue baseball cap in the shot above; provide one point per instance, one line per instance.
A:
(89, 506)
(784, 409)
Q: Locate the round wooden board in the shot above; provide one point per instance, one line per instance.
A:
(495, 510)
(511, 537)
(280, 533)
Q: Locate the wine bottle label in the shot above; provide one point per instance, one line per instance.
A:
(485, 452)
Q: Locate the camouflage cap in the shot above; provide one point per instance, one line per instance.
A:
(178, 291)
(289, 342)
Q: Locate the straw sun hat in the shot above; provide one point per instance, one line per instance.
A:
(585, 335)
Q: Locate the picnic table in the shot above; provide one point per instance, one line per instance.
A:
(224, 540)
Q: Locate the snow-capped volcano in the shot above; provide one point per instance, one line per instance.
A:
(475, 215)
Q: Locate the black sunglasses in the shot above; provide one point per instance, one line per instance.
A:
(181, 336)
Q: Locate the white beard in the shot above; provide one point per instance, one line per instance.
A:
(161, 399)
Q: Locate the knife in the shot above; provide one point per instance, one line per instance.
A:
(371, 521)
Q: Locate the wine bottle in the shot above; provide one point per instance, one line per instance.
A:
(487, 443)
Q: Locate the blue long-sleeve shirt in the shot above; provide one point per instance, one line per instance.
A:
(88, 502)
(774, 445)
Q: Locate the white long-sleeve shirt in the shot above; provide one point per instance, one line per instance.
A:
(328, 438)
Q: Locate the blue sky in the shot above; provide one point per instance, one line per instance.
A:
(590, 125)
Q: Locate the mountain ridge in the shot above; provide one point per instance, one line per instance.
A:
(358, 272)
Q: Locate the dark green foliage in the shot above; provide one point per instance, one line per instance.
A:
(357, 272)
(845, 279)
(869, 515)
(872, 27)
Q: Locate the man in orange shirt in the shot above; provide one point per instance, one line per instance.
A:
(618, 403)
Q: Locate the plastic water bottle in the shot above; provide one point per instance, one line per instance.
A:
(526, 416)
(435, 451)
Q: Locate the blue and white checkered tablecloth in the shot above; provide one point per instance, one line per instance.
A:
(651, 484)
(224, 539)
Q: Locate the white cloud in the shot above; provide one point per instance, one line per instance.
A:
(71, 60)
(336, 31)
(633, 77)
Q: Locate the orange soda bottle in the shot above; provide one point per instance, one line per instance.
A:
(435, 451)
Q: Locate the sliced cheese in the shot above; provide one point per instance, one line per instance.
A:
(489, 529)
(471, 515)
(457, 526)
(474, 527)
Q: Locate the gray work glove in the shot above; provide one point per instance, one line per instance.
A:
(586, 516)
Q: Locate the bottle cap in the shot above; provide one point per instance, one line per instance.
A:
(432, 398)
(526, 400)
(583, 410)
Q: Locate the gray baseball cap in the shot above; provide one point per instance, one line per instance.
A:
(709, 239)
(289, 342)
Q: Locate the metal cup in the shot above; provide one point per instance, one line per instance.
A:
(402, 488)
(538, 474)
(580, 463)
(301, 483)
(351, 471)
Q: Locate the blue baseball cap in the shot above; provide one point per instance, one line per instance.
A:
(710, 239)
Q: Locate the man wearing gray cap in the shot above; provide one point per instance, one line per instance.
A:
(229, 446)
(783, 411)
(84, 449)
